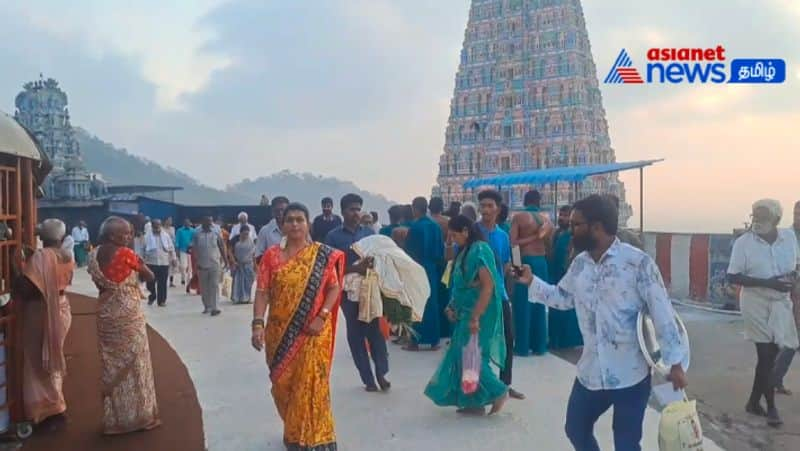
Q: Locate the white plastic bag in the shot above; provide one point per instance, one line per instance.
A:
(227, 285)
(470, 366)
(679, 428)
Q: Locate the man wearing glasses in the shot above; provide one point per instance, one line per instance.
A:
(763, 263)
(608, 284)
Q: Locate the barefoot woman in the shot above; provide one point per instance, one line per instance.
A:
(301, 283)
(476, 308)
(129, 394)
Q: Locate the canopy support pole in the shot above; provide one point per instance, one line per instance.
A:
(574, 192)
(641, 203)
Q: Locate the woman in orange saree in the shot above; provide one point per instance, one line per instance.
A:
(129, 395)
(46, 319)
(301, 283)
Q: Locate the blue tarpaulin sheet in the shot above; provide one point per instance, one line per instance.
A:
(552, 175)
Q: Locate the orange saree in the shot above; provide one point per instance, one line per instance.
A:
(300, 364)
(46, 320)
(129, 394)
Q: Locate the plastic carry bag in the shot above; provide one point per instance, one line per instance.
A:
(470, 366)
(679, 428)
(227, 285)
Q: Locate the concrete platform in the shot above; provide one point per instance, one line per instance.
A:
(238, 412)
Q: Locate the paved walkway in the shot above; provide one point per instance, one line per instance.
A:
(238, 413)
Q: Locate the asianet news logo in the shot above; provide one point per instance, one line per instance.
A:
(695, 65)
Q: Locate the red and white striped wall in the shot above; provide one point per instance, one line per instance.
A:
(684, 261)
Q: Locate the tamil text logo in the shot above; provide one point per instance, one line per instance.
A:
(695, 66)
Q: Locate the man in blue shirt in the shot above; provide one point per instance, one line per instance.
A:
(359, 333)
(490, 201)
(183, 241)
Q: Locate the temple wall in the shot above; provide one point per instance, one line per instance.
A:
(694, 266)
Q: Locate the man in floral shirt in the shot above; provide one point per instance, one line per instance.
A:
(608, 284)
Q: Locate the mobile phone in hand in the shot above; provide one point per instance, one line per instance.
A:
(516, 261)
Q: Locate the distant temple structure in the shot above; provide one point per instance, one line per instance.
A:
(526, 97)
(42, 109)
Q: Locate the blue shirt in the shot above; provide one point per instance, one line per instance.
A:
(183, 238)
(500, 243)
(342, 238)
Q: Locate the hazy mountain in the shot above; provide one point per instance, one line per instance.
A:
(119, 167)
(309, 189)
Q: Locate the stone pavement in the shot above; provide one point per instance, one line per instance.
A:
(238, 413)
(721, 377)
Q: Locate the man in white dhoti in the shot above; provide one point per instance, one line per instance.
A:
(763, 261)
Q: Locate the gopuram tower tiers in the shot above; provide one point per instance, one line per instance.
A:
(526, 97)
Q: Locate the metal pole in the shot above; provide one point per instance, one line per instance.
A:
(641, 202)
(574, 191)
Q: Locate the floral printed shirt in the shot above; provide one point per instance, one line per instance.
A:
(607, 297)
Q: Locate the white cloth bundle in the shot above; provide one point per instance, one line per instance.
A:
(398, 275)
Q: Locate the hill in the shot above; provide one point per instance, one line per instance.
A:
(120, 167)
(309, 189)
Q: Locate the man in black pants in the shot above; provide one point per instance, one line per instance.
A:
(763, 262)
(360, 333)
(159, 253)
(490, 202)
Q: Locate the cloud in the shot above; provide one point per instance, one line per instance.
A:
(360, 90)
(162, 36)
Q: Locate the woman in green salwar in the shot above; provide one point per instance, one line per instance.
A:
(475, 308)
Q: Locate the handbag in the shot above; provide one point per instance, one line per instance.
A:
(679, 428)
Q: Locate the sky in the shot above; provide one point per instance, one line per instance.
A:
(360, 90)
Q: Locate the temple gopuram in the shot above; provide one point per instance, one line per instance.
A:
(42, 109)
(526, 97)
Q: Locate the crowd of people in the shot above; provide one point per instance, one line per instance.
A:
(518, 284)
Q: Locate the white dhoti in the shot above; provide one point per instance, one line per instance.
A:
(769, 317)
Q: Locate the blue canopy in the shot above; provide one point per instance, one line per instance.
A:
(551, 175)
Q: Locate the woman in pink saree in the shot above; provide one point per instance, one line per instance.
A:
(129, 395)
(46, 319)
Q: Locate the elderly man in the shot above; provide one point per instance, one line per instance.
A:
(271, 235)
(763, 263)
(80, 236)
(243, 218)
(159, 254)
(46, 320)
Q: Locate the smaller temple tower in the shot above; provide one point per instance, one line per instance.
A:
(42, 109)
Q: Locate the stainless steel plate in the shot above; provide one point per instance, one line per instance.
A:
(650, 347)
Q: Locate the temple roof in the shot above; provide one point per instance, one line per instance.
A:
(15, 140)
